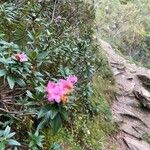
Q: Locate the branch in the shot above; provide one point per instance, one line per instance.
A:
(53, 12)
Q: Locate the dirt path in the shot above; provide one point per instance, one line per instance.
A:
(131, 109)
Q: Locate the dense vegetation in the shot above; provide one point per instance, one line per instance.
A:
(52, 75)
(126, 25)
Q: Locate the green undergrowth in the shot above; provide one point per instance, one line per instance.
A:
(56, 87)
(125, 25)
(146, 137)
(90, 132)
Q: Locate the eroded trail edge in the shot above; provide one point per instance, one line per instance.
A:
(131, 109)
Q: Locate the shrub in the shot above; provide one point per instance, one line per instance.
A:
(44, 41)
(6, 138)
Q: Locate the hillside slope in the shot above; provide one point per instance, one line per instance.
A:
(131, 109)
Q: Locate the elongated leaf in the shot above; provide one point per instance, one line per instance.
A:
(13, 142)
(1, 132)
(2, 73)
(55, 146)
(11, 135)
(41, 124)
(11, 82)
(21, 82)
(7, 131)
(53, 114)
(29, 94)
(56, 123)
(2, 146)
(48, 115)
(41, 113)
(33, 55)
(40, 144)
(65, 115)
(42, 55)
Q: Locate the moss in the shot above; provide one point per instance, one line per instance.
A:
(97, 133)
(63, 137)
(146, 137)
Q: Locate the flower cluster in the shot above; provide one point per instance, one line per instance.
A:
(22, 57)
(59, 92)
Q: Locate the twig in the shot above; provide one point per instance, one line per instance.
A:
(17, 113)
(53, 12)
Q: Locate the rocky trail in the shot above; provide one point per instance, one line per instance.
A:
(131, 109)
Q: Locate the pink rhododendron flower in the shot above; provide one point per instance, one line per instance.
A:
(54, 92)
(22, 57)
(72, 79)
(50, 86)
(66, 85)
(64, 99)
(58, 92)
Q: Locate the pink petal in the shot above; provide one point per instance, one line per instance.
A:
(72, 78)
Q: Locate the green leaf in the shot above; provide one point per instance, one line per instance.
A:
(11, 135)
(65, 115)
(55, 146)
(21, 82)
(40, 89)
(11, 82)
(7, 131)
(41, 113)
(48, 115)
(36, 73)
(40, 144)
(36, 133)
(42, 55)
(56, 123)
(1, 132)
(53, 113)
(15, 148)
(31, 144)
(29, 94)
(33, 55)
(4, 61)
(41, 124)
(13, 142)
(30, 36)
(2, 146)
(2, 73)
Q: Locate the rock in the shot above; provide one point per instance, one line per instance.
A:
(132, 71)
(116, 72)
(136, 144)
(145, 79)
(135, 128)
(133, 121)
(129, 129)
(143, 96)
